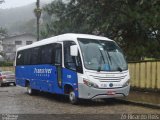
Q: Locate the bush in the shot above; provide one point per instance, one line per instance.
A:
(6, 63)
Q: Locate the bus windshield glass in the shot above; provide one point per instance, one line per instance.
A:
(102, 55)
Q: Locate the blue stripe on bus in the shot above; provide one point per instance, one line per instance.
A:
(44, 78)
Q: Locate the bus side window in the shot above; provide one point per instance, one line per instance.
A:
(71, 62)
(27, 56)
(46, 54)
(35, 56)
(20, 58)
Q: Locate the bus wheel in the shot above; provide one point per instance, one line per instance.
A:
(1, 84)
(72, 97)
(14, 84)
(30, 91)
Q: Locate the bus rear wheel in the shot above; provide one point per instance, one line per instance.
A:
(1, 84)
(14, 84)
(72, 98)
(30, 91)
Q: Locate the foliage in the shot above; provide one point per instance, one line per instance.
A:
(4, 63)
(133, 24)
(3, 32)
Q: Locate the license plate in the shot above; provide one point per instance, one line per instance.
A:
(111, 92)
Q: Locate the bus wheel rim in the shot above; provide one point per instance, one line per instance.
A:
(72, 96)
(29, 90)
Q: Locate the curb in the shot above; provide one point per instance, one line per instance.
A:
(144, 104)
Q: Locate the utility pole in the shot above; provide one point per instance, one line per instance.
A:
(37, 12)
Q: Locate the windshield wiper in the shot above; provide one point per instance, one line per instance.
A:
(119, 69)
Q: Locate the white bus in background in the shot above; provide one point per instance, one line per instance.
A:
(78, 65)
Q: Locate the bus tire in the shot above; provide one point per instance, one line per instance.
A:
(30, 91)
(1, 84)
(14, 84)
(72, 98)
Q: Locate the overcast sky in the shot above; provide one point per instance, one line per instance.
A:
(18, 3)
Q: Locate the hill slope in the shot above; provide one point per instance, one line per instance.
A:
(20, 19)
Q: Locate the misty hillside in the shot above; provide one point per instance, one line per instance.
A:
(14, 19)
(10, 16)
(19, 20)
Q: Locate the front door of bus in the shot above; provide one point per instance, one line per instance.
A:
(58, 65)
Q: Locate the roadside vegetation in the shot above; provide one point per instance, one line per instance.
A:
(133, 24)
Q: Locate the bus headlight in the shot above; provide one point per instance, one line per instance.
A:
(89, 83)
(126, 83)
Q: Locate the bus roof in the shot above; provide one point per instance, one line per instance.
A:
(63, 37)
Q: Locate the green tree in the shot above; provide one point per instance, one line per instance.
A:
(133, 24)
(3, 32)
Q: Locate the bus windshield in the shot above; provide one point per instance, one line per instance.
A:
(102, 55)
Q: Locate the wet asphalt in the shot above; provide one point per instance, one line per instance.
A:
(15, 100)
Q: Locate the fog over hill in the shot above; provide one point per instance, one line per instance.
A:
(19, 20)
(15, 17)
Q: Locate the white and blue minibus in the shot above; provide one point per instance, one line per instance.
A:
(78, 65)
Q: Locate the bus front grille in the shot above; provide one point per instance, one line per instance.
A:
(108, 79)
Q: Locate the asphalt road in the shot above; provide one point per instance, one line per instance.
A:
(15, 100)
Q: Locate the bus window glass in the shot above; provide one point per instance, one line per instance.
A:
(20, 58)
(69, 61)
(46, 54)
(35, 56)
(27, 56)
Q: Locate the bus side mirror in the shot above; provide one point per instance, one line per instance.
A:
(74, 50)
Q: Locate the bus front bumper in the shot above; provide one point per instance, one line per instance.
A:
(86, 92)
